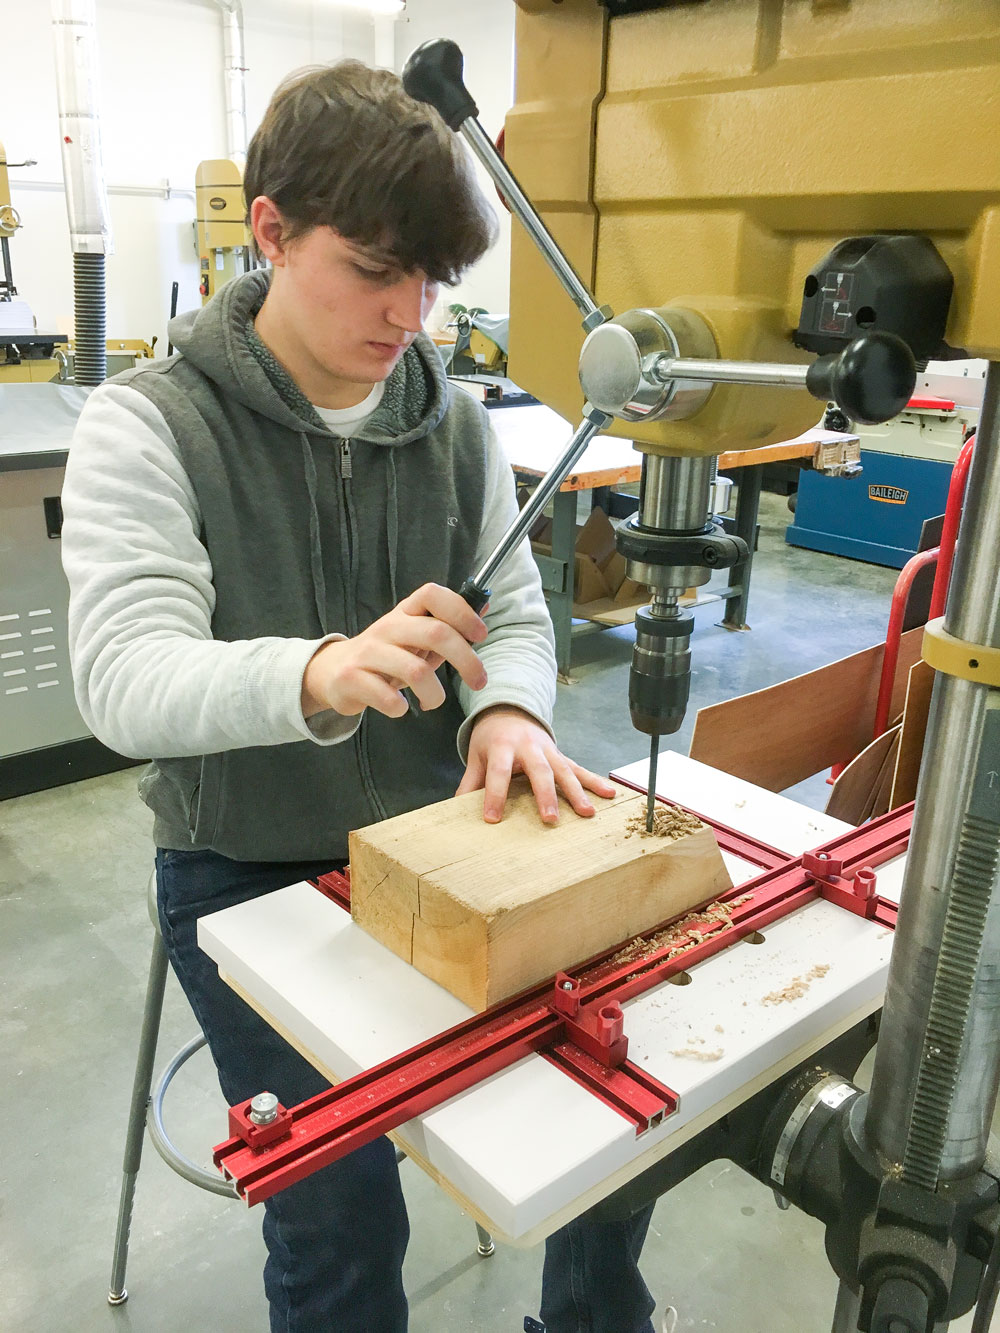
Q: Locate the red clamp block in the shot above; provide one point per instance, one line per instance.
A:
(259, 1136)
(855, 892)
(598, 1029)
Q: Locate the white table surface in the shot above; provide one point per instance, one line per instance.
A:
(528, 1148)
(533, 438)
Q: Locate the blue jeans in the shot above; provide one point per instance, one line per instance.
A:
(336, 1240)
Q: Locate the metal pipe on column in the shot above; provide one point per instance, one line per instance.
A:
(937, 1066)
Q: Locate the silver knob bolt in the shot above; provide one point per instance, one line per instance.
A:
(264, 1108)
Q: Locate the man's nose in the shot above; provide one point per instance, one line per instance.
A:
(410, 301)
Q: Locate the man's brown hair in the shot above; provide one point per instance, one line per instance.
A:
(345, 146)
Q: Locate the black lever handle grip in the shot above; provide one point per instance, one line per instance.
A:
(871, 380)
(433, 74)
(474, 594)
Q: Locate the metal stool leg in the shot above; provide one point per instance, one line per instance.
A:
(147, 1107)
(117, 1293)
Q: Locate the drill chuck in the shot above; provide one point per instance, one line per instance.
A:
(660, 676)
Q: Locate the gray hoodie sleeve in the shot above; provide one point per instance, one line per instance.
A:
(150, 680)
(519, 654)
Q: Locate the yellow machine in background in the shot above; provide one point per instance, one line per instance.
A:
(25, 355)
(706, 156)
(9, 223)
(223, 237)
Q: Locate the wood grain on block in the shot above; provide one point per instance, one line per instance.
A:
(486, 910)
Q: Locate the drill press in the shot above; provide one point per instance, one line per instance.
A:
(661, 364)
(750, 157)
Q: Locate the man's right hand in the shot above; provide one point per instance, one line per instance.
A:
(402, 650)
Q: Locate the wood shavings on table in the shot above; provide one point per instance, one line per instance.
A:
(683, 935)
(797, 987)
(670, 822)
(694, 1053)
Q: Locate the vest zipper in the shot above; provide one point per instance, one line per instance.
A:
(360, 736)
(346, 473)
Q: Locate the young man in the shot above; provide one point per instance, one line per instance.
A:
(262, 537)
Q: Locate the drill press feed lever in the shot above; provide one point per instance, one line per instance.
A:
(648, 364)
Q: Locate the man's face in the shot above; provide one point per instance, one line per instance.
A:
(355, 313)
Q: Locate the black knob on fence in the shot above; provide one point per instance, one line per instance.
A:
(871, 380)
(434, 74)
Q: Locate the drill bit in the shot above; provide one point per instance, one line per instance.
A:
(654, 754)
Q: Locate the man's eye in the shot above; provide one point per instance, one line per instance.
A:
(375, 274)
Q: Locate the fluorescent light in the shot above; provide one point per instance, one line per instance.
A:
(390, 7)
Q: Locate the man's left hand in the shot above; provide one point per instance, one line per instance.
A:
(506, 741)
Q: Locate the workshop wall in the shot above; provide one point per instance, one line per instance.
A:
(484, 29)
(162, 105)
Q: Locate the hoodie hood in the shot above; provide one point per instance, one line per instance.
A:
(221, 341)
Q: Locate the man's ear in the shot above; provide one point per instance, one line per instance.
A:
(268, 226)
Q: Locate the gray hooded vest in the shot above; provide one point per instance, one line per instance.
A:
(310, 535)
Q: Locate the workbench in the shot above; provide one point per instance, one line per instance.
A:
(533, 437)
(528, 1148)
(43, 739)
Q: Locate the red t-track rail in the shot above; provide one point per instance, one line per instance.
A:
(574, 1020)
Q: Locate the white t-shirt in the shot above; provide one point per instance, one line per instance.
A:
(347, 421)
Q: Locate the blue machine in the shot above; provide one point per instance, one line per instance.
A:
(906, 469)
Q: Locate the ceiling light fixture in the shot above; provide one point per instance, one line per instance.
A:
(390, 8)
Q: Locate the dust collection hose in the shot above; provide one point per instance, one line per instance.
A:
(74, 31)
(90, 358)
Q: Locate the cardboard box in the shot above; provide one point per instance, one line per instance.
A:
(597, 539)
(631, 593)
(599, 570)
(541, 529)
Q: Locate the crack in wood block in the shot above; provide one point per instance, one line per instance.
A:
(489, 909)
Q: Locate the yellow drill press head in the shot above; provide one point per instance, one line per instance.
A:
(707, 156)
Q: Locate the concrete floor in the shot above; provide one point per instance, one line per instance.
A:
(74, 949)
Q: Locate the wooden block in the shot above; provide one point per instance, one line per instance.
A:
(489, 909)
(786, 733)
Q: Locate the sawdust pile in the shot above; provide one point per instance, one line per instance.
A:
(683, 935)
(797, 987)
(669, 823)
(693, 1053)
